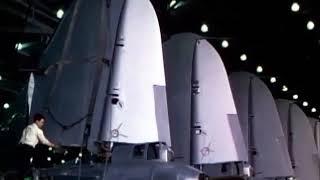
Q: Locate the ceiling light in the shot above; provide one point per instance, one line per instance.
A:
(6, 105)
(310, 25)
(273, 79)
(225, 44)
(18, 46)
(284, 88)
(313, 110)
(63, 161)
(295, 7)
(259, 69)
(305, 103)
(50, 148)
(295, 96)
(48, 158)
(76, 160)
(60, 13)
(204, 28)
(172, 3)
(80, 154)
(243, 57)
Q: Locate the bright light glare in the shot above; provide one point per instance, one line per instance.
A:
(172, 3)
(18, 46)
(6, 105)
(259, 69)
(243, 57)
(225, 44)
(295, 7)
(310, 25)
(204, 28)
(284, 88)
(60, 13)
(273, 79)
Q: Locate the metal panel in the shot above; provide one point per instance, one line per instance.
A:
(315, 125)
(137, 68)
(261, 126)
(304, 152)
(162, 114)
(81, 48)
(212, 107)
(212, 103)
(178, 56)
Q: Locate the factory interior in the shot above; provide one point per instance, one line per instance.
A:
(160, 89)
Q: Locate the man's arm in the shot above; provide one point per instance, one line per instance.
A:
(44, 140)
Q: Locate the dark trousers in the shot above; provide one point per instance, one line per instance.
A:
(26, 152)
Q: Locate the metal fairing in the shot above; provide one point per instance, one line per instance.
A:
(213, 111)
(73, 66)
(261, 126)
(315, 125)
(137, 75)
(301, 144)
(200, 103)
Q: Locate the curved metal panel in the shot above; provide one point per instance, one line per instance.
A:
(315, 125)
(301, 144)
(211, 113)
(80, 49)
(137, 72)
(178, 56)
(261, 126)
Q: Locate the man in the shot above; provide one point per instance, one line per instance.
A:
(31, 136)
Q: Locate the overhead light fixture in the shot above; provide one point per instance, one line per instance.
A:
(259, 69)
(295, 96)
(6, 106)
(18, 46)
(284, 88)
(80, 154)
(313, 110)
(204, 28)
(273, 79)
(305, 103)
(76, 160)
(60, 13)
(172, 3)
(310, 25)
(48, 158)
(63, 161)
(243, 57)
(225, 44)
(50, 148)
(295, 7)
